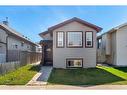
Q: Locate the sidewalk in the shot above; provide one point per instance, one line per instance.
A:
(41, 77)
(65, 87)
(86, 87)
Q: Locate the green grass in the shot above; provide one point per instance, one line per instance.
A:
(91, 76)
(20, 76)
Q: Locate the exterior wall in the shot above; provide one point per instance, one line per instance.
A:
(102, 51)
(12, 41)
(3, 36)
(111, 57)
(100, 54)
(8, 42)
(39, 48)
(118, 47)
(60, 54)
(2, 52)
(108, 44)
(122, 46)
(108, 49)
(113, 49)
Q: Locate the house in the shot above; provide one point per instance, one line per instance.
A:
(112, 46)
(38, 48)
(12, 41)
(71, 43)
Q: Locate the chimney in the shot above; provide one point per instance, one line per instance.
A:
(6, 21)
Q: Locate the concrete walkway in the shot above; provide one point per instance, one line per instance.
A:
(41, 77)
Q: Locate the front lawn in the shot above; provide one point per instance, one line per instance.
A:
(91, 76)
(20, 76)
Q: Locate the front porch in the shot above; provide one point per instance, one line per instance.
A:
(47, 52)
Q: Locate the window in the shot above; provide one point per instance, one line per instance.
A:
(28, 46)
(89, 39)
(22, 44)
(16, 46)
(99, 43)
(77, 62)
(74, 39)
(60, 39)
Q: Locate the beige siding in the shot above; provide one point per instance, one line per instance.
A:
(122, 46)
(118, 46)
(88, 54)
(111, 58)
(113, 48)
(108, 49)
(102, 50)
(108, 44)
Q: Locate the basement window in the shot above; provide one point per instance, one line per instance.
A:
(74, 62)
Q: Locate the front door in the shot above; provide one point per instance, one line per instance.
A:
(48, 53)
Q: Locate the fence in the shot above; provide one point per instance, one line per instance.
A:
(9, 66)
(100, 56)
(29, 57)
(17, 59)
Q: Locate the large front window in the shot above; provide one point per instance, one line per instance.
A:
(74, 39)
(74, 62)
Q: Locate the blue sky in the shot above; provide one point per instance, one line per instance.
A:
(32, 20)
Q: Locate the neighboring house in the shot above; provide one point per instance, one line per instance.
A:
(10, 40)
(38, 48)
(71, 43)
(112, 46)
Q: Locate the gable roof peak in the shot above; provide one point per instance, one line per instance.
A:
(97, 28)
(50, 29)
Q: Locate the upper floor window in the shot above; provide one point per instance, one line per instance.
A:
(16, 46)
(74, 39)
(28, 46)
(60, 39)
(22, 44)
(89, 39)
